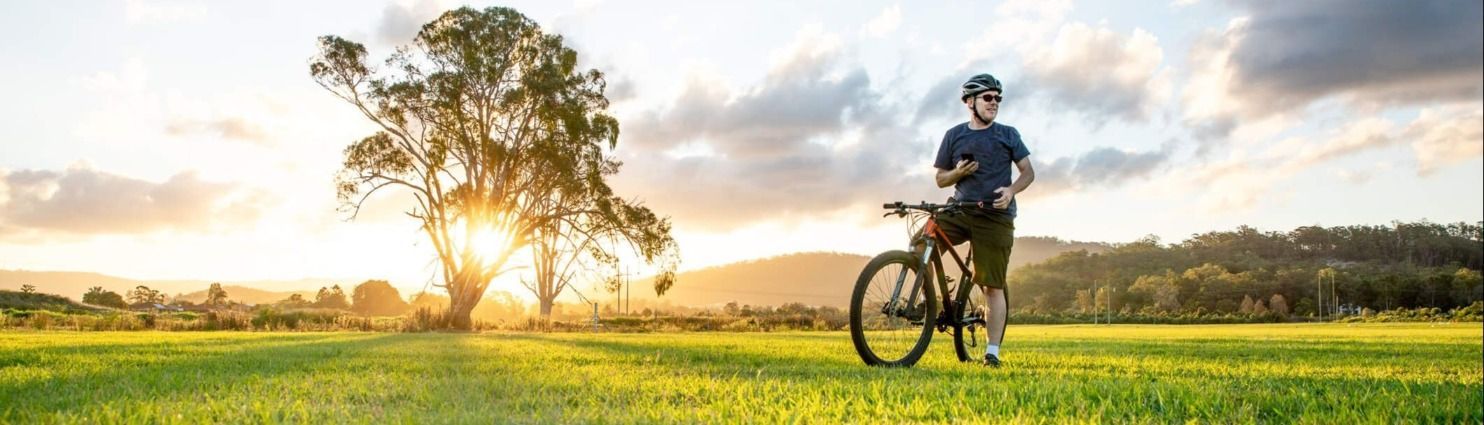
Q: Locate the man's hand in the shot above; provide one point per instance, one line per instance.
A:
(1007, 194)
(946, 178)
(966, 167)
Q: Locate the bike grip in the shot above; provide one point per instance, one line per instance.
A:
(891, 205)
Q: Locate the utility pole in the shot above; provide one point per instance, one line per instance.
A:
(628, 290)
(1094, 301)
(1110, 305)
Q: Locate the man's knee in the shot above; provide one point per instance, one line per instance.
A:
(994, 293)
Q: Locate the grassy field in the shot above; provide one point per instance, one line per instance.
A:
(1374, 373)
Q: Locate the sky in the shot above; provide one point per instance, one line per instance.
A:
(182, 139)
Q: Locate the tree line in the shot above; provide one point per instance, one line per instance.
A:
(372, 298)
(1307, 271)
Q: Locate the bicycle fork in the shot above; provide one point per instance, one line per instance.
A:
(892, 308)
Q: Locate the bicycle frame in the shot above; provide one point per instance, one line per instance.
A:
(933, 235)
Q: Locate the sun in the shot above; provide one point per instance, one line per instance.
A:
(489, 243)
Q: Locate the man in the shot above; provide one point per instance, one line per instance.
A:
(975, 158)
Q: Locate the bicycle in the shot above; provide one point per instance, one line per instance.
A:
(892, 327)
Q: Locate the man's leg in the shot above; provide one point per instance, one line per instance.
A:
(994, 237)
(995, 319)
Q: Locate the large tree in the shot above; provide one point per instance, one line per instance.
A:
(98, 296)
(475, 119)
(377, 298)
(142, 294)
(332, 297)
(591, 228)
(216, 296)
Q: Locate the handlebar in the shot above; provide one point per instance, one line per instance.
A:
(900, 208)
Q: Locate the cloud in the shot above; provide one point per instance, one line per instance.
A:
(1063, 66)
(1102, 167)
(885, 23)
(941, 100)
(234, 128)
(81, 200)
(1445, 136)
(400, 21)
(620, 89)
(801, 98)
(1285, 56)
(811, 137)
(1101, 73)
(1438, 137)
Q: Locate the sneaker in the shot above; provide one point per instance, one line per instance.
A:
(991, 361)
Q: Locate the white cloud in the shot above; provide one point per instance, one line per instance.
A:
(232, 128)
(885, 23)
(400, 21)
(1020, 26)
(810, 45)
(1071, 66)
(1446, 136)
(128, 79)
(83, 200)
(1439, 137)
(1101, 72)
(1206, 105)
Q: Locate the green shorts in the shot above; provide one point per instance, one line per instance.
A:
(990, 235)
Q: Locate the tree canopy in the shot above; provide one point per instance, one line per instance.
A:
(98, 296)
(485, 120)
(377, 298)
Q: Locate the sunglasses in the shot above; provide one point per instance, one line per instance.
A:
(991, 98)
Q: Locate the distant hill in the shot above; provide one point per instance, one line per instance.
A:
(1035, 249)
(811, 278)
(74, 284)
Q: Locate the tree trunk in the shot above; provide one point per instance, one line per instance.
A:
(463, 295)
(546, 304)
(459, 315)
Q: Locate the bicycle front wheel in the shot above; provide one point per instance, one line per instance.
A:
(886, 330)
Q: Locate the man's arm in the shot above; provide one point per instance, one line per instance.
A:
(1027, 175)
(947, 178)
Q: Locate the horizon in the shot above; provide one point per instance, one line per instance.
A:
(142, 150)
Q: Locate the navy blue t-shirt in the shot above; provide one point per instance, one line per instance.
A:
(996, 149)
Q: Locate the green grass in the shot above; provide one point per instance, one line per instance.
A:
(1313, 373)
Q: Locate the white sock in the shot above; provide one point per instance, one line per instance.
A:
(992, 350)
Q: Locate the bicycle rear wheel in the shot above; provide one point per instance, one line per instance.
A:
(969, 333)
(886, 331)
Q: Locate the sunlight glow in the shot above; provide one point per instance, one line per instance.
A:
(488, 244)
